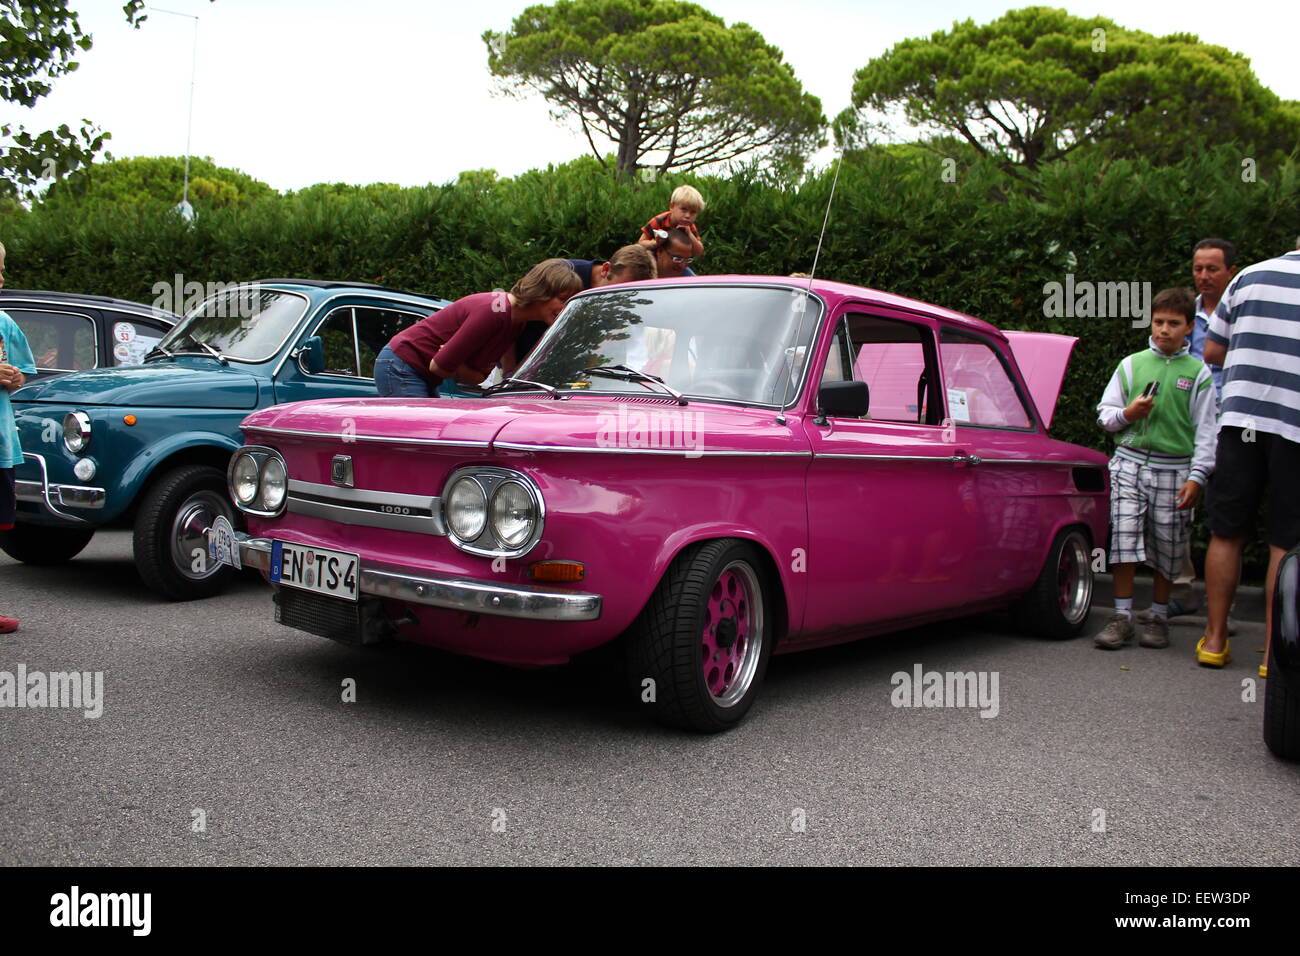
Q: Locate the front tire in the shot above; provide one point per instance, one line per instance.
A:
(698, 651)
(171, 553)
(1058, 604)
(43, 544)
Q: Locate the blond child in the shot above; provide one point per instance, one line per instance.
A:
(684, 206)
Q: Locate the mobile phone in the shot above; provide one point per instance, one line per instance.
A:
(1152, 388)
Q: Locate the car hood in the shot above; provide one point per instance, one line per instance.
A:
(632, 424)
(157, 384)
(1042, 357)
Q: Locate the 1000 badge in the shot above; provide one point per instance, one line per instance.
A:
(315, 569)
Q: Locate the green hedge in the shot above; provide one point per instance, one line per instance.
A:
(984, 243)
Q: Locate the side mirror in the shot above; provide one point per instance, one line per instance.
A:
(311, 355)
(843, 400)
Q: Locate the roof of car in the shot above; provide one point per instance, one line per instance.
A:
(836, 291)
(336, 284)
(84, 299)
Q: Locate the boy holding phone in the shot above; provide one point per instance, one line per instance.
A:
(1161, 403)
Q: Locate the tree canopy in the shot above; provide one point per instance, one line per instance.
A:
(670, 84)
(145, 179)
(39, 40)
(1038, 83)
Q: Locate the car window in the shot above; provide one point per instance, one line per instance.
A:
(375, 328)
(132, 339)
(892, 357)
(339, 338)
(978, 385)
(60, 341)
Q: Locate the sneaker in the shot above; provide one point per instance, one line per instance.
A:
(8, 625)
(1155, 633)
(1117, 632)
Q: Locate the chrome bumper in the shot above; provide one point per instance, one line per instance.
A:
(457, 594)
(69, 496)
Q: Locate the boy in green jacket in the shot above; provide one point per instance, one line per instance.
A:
(1161, 402)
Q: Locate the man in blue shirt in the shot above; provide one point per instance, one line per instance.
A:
(1212, 269)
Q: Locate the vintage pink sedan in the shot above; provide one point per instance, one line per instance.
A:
(707, 470)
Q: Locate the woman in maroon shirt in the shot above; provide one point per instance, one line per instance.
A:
(464, 341)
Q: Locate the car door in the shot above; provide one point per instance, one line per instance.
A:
(993, 421)
(352, 336)
(892, 504)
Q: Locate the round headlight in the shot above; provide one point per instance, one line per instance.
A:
(466, 509)
(274, 484)
(84, 469)
(513, 514)
(244, 479)
(76, 431)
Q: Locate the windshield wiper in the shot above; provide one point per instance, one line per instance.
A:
(627, 374)
(550, 390)
(158, 348)
(212, 351)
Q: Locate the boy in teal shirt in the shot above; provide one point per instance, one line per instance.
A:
(1161, 402)
(16, 363)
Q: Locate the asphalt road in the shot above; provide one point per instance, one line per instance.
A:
(213, 707)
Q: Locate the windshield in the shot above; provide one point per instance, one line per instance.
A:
(247, 323)
(740, 343)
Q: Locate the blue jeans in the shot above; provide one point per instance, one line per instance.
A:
(395, 379)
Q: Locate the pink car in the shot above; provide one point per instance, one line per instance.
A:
(709, 470)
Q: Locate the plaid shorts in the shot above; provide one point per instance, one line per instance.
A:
(1146, 526)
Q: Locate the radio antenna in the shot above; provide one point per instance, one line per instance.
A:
(803, 303)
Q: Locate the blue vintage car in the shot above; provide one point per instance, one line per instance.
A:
(147, 446)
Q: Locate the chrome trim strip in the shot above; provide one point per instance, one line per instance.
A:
(338, 436)
(1042, 461)
(72, 496)
(679, 452)
(358, 506)
(942, 459)
(457, 594)
(948, 459)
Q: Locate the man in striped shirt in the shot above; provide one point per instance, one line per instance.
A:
(1255, 335)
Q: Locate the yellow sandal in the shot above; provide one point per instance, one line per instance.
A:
(1210, 658)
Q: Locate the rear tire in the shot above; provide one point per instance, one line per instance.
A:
(44, 544)
(170, 551)
(1057, 606)
(1281, 712)
(697, 653)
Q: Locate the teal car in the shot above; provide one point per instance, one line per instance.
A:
(147, 446)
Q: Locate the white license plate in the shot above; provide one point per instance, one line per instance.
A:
(315, 569)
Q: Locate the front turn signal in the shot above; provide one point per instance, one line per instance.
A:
(558, 571)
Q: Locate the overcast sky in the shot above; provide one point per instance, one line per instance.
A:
(296, 92)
